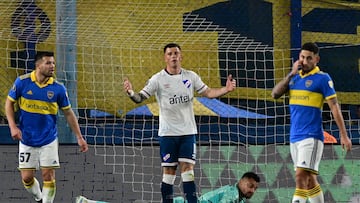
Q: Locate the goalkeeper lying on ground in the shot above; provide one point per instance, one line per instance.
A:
(238, 193)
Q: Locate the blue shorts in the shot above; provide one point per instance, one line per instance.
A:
(175, 149)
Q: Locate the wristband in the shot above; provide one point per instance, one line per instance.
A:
(131, 93)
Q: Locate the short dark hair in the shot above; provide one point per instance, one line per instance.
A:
(251, 175)
(40, 54)
(310, 46)
(171, 45)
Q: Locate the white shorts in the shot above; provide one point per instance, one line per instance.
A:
(46, 156)
(307, 154)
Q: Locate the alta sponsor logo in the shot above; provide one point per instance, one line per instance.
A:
(179, 99)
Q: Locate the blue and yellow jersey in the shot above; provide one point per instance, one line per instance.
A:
(306, 98)
(38, 105)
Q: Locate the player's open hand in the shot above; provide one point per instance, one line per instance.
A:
(230, 83)
(127, 85)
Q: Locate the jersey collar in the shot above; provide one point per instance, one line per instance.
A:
(312, 72)
(173, 74)
(48, 82)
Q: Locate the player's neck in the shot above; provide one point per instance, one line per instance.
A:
(41, 79)
(173, 70)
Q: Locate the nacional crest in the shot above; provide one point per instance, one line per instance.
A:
(166, 157)
(187, 83)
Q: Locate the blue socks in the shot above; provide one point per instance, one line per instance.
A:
(190, 191)
(167, 192)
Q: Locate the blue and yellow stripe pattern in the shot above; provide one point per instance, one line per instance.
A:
(306, 98)
(39, 105)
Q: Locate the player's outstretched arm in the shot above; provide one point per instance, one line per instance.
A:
(135, 97)
(74, 125)
(217, 92)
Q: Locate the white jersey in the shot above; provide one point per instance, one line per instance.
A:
(175, 94)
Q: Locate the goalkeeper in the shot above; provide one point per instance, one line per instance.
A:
(174, 89)
(238, 193)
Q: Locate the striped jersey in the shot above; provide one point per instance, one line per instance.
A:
(38, 106)
(307, 94)
(174, 95)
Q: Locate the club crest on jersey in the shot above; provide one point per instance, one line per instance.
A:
(50, 94)
(187, 83)
(166, 157)
(308, 83)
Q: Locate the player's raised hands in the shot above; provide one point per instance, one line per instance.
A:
(230, 83)
(127, 85)
(297, 65)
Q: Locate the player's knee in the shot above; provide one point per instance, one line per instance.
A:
(187, 176)
(48, 174)
(170, 170)
(28, 182)
(169, 179)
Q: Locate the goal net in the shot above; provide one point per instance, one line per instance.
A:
(245, 130)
